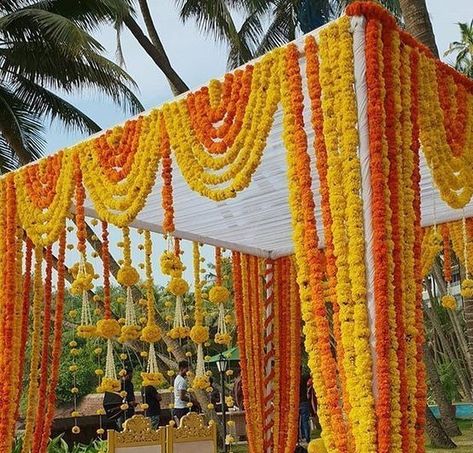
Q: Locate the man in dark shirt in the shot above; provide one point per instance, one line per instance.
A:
(153, 399)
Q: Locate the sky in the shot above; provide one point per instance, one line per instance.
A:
(198, 58)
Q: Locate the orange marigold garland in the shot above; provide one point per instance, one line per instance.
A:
(57, 346)
(312, 290)
(44, 369)
(376, 120)
(166, 191)
(8, 302)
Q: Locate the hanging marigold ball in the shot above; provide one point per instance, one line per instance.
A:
(109, 385)
(171, 264)
(130, 333)
(467, 288)
(151, 333)
(219, 294)
(108, 328)
(178, 286)
(84, 331)
(223, 338)
(449, 301)
(201, 382)
(89, 269)
(128, 275)
(199, 334)
(154, 379)
(179, 332)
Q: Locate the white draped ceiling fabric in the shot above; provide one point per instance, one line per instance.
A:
(258, 221)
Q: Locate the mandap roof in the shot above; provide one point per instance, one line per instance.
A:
(258, 221)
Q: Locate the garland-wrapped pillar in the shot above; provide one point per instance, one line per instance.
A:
(269, 357)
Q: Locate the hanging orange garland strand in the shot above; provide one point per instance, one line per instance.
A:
(242, 345)
(80, 216)
(166, 191)
(107, 305)
(57, 346)
(447, 257)
(8, 307)
(44, 372)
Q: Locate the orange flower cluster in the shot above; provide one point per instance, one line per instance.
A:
(166, 191)
(230, 111)
(447, 257)
(41, 180)
(218, 266)
(39, 419)
(107, 303)
(80, 216)
(8, 307)
(249, 306)
(286, 325)
(393, 114)
(50, 406)
(116, 149)
(310, 273)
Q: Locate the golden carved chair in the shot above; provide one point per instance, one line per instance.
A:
(137, 437)
(192, 436)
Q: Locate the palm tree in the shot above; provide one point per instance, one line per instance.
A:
(267, 23)
(463, 49)
(46, 48)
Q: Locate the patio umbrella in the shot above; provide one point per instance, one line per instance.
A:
(232, 355)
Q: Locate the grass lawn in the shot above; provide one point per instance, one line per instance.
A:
(464, 442)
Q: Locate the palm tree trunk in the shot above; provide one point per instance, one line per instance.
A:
(447, 410)
(468, 310)
(418, 24)
(437, 435)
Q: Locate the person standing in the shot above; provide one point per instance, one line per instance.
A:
(304, 409)
(181, 395)
(152, 398)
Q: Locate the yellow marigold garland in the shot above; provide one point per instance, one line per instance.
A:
(347, 227)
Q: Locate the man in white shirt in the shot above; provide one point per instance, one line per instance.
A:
(181, 396)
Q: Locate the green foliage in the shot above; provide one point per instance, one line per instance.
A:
(449, 380)
(463, 49)
(58, 445)
(45, 48)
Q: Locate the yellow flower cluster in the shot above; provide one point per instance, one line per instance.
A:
(179, 332)
(223, 338)
(204, 172)
(467, 288)
(43, 226)
(154, 379)
(449, 302)
(108, 328)
(151, 333)
(200, 382)
(171, 264)
(109, 385)
(451, 171)
(431, 247)
(178, 286)
(341, 137)
(219, 294)
(119, 202)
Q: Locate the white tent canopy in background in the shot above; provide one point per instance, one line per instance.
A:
(258, 221)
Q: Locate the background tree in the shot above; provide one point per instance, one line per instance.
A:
(463, 49)
(46, 48)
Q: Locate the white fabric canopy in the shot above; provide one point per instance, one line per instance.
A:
(257, 221)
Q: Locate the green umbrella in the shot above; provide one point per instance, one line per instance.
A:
(232, 355)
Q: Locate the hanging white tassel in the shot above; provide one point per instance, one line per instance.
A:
(85, 316)
(130, 315)
(152, 375)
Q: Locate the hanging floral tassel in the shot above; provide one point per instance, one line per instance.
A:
(171, 265)
(152, 376)
(109, 383)
(448, 300)
(467, 284)
(128, 276)
(82, 285)
(219, 295)
(199, 333)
